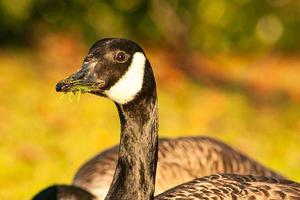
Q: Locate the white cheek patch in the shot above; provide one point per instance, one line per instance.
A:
(130, 83)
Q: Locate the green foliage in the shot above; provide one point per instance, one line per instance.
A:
(223, 25)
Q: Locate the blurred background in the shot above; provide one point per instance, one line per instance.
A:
(229, 69)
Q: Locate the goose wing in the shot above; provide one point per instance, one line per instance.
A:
(204, 156)
(232, 186)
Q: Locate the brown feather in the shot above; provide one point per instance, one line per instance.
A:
(179, 160)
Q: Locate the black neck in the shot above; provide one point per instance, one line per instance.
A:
(135, 172)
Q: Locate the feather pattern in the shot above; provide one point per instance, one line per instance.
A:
(232, 186)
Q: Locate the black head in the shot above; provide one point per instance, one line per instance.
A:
(64, 192)
(115, 68)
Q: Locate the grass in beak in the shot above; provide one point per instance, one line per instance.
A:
(78, 90)
(61, 96)
(78, 95)
(81, 88)
(71, 96)
(75, 90)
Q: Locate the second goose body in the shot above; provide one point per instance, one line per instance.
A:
(119, 70)
(179, 160)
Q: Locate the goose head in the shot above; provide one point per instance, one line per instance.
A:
(64, 192)
(114, 68)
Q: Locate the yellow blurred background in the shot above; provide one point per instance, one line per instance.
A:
(229, 69)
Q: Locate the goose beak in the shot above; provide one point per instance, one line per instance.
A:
(79, 81)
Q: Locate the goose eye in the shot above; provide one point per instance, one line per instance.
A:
(121, 57)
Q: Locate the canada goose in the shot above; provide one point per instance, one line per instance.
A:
(119, 70)
(179, 160)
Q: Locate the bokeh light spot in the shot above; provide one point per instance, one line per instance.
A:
(212, 11)
(104, 20)
(269, 29)
(18, 9)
